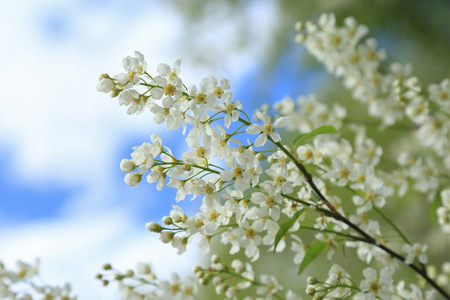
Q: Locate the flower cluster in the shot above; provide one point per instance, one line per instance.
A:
(390, 96)
(24, 284)
(143, 284)
(254, 199)
(231, 281)
(339, 285)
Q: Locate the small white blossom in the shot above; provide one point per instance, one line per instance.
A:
(268, 129)
(415, 251)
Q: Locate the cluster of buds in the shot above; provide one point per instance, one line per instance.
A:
(177, 221)
(24, 283)
(143, 284)
(234, 280)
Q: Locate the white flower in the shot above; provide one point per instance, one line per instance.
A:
(232, 112)
(329, 242)
(180, 243)
(165, 70)
(299, 248)
(240, 175)
(338, 276)
(135, 65)
(306, 153)
(134, 100)
(376, 287)
(415, 251)
(268, 129)
(441, 93)
(270, 286)
(26, 271)
(374, 194)
(340, 171)
(233, 237)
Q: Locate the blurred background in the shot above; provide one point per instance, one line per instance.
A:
(62, 195)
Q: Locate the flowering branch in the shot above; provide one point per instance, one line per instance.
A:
(250, 201)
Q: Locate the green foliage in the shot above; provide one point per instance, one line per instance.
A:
(311, 253)
(284, 228)
(321, 130)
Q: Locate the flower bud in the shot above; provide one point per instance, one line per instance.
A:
(208, 276)
(143, 268)
(167, 220)
(196, 269)
(232, 292)
(129, 273)
(132, 179)
(260, 156)
(311, 280)
(238, 266)
(200, 274)
(220, 289)
(107, 267)
(115, 92)
(203, 281)
(300, 38)
(99, 276)
(105, 85)
(166, 236)
(153, 227)
(127, 165)
(105, 282)
(119, 277)
(215, 259)
(176, 217)
(310, 291)
(103, 76)
(217, 280)
(299, 26)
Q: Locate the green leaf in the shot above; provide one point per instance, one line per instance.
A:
(310, 254)
(285, 227)
(320, 130)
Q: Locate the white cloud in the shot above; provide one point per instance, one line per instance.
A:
(73, 250)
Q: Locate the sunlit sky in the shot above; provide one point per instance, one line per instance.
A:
(62, 195)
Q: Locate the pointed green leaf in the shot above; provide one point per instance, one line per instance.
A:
(285, 227)
(320, 130)
(310, 254)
